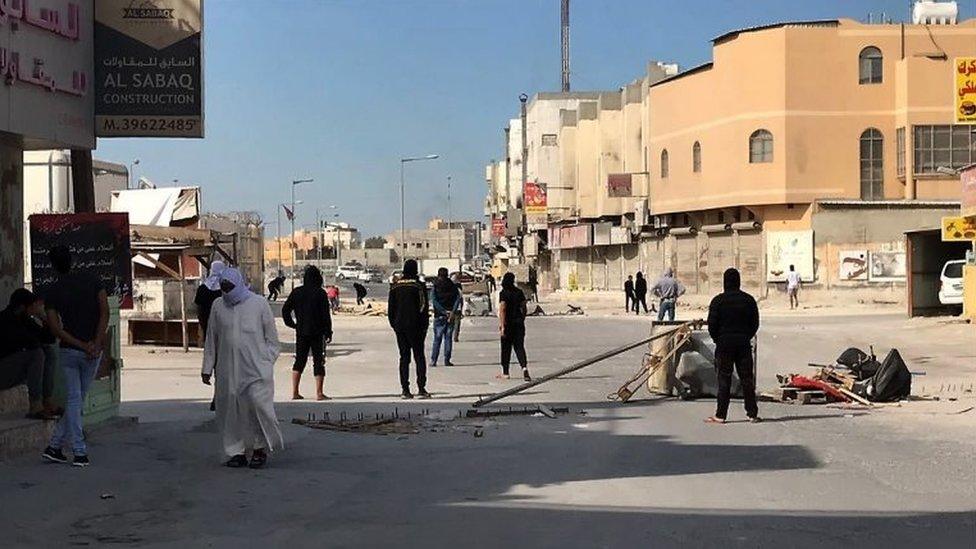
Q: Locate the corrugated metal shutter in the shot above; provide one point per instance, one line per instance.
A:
(599, 272)
(721, 256)
(653, 258)
(686, 261)
(750, 260)
(614, 268)
(567, 265)
(631, 260)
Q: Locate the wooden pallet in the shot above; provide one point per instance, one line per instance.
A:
(799, 396)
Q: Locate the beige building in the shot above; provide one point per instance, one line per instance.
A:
(731, 163)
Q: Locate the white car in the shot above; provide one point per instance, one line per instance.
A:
(370, 275)
(950, 283)
(349, 271)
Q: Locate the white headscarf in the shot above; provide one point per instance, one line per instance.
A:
(212, 282)
(240, 292)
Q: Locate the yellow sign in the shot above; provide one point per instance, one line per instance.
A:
(965, 90)
(958, 228)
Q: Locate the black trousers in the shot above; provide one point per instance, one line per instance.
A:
(640, 299)
(629, 299)
(304, 344)
(514, 339)
(273, 294)
(740, 357)
(359, 300)
(412, 344)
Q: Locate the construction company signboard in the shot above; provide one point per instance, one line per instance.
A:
(148, 68)
(536, 204)
(968, 179)
(46, 65)
(958, 229)
(965, 90)
(620, 185)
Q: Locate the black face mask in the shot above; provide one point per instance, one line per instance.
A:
(226, 286)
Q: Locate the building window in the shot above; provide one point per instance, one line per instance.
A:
(664, 164)
(900, 153)
(943, 147)
(760, 147)
(872, 165)
(696, 157)
(549, 140)
(869, 66)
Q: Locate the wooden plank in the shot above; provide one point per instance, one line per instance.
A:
(151, 233)
(855, 397)
(161, 266)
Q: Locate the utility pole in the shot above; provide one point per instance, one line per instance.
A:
(450, 250)
(523, 98)
(281, 267)
(318, 238)
(564, 39)
(293, 215)
(508, 171)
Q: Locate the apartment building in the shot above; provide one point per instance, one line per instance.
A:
(733, 162)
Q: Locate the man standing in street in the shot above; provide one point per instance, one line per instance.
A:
(640, 293)
(457, 314)
(446, 301)
(733, 321)
(77, 314)
(629, 293)
(793, 287)
(409, 316)
(242, 347)
(668, 290)
(307, 312)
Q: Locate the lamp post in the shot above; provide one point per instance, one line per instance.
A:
(280, 256)
(450, 250)
(337, 239)
(293, 203)
(132, 167)
(402, 218)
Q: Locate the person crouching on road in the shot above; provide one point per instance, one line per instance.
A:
(446, 302)
(242, 345)
(511, 326)
(668, 290)
(733, 320)
(307, 312)
(360, 293)
(409, 316)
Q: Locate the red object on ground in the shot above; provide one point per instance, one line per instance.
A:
(806, 383)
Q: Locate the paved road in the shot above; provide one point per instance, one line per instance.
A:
(647, 474)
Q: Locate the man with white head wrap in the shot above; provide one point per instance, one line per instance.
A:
(242, 344)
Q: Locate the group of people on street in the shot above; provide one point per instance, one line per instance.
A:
(667, 289)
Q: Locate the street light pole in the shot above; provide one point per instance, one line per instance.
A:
(403, 232)
(132, 167)
(293, 215)
(450, 249)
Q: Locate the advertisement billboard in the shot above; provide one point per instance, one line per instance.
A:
(785, 248)
(498, 227)
(965, 90)
(968, 179)
(958, 229)
(536, 205)
(620, 185)
(149, 68)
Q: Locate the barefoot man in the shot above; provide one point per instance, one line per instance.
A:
(243, 345)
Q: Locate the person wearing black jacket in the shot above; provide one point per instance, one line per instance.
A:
(307, 312)
(409, 314)
(733, 321)
(629, 293)
(22, 359)
(640, 293)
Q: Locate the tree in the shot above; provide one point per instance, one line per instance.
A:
(375, 242)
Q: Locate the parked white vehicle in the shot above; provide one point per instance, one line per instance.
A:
(370, 275)
(950, 282)
(349, 271)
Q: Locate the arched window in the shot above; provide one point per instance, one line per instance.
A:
(696, 157)
(869, 66)
(872, 165)
(760, 147)
(664, 164)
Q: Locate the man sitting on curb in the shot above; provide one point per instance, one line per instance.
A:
(21, 355)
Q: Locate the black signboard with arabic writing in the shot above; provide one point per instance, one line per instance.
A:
(148, 68)
(99, 244)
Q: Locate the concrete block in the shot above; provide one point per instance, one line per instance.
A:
(19, 436)
(14, 401)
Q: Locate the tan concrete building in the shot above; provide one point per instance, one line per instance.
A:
(733, 162)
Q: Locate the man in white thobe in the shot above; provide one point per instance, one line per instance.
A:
(242, 342)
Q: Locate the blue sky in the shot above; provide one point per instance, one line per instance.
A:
(340, 90)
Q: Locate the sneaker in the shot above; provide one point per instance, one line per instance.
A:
(448, 363)
(526, 376)
(81, 461)
(54, 455)
(237, 461)
(423, 394)
(755, 419)
(406, 395)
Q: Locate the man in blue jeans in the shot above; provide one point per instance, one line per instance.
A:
(447, 304)
(77, 313)
(668, 290)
